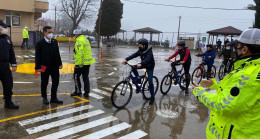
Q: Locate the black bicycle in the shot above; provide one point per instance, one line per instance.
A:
(122, 92)
(173, 77)
(225, 69)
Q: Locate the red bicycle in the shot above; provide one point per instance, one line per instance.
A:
(201, 73)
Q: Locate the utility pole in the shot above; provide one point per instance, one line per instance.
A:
(99, 22)
(55, 19)
(179, 28)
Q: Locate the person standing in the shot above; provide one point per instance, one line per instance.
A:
(7, 57)
(48, 62)
(83, 59)
(219, 42)
(235, 106)
(25, 37)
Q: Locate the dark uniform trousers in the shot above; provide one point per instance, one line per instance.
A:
(84, 71)
(55, 76)
(6, 78)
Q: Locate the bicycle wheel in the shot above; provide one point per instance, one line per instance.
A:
(221, 72)
(213, 71)
(197, 75)
(166, 84)
(146, 90)
(182, 82)
(121, 94)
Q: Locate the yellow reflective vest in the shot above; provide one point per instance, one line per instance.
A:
(25, 34)
(235, 107)
(82, 52)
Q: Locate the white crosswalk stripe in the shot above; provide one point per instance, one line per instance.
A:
(95, 96)
(25, 56)
(107, 131)
(109, 89)
(102, 92)
(79, 128)
(40, 128)
(53, 115)
(135, 135)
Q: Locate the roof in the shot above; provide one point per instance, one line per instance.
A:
(147, 30)
(225, 31)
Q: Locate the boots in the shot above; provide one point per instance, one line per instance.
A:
(11, 105)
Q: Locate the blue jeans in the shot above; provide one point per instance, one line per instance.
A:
(150, 79)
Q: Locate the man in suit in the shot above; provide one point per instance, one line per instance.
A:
(48, 62)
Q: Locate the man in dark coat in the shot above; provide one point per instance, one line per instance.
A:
(7, 57)
(48, 62)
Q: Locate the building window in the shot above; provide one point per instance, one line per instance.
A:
(13, 18)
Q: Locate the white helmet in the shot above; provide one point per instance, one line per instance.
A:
(77, 31)
(250, 36)
(25, 27)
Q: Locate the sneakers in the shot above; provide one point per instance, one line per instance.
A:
(151, 101)
(11, 105)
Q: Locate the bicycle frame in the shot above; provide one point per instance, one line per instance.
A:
(131, 77)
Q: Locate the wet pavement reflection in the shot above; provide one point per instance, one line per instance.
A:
(173, 116)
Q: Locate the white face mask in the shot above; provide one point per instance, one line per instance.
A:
(50, 36)
(4, 30)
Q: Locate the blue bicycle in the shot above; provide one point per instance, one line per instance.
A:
(123, 91)
(173, 77)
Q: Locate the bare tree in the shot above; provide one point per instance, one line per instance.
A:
(77, 10)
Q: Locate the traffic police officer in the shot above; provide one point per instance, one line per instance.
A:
(235, 107)
(7, 57)
(83, 59)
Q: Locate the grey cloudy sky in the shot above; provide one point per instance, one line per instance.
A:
(165, 19)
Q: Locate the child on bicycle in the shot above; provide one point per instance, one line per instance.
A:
(209, 57)
(185, 59)
(147, 61)
(228, 55)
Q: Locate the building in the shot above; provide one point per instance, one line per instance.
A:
(21, 13)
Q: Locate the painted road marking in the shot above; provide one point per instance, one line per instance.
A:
(19, 56)
(111, 73)
(43, 111)
(41, 128)
(38, 112)
(25, 56)
(107, 131)
(96, 78)
(79, 128)
(115, 68)
(109, 89)
(95, 96)
(108, 65)
(133, 86)
(32, 56)
(53, 115)
(134, 135)
(102, 92)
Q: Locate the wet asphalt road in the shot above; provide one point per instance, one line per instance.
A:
(174, 115)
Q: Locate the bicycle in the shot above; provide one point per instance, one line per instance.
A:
(224, 69)
(124, 88)
(175, 76)
(201, 73)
